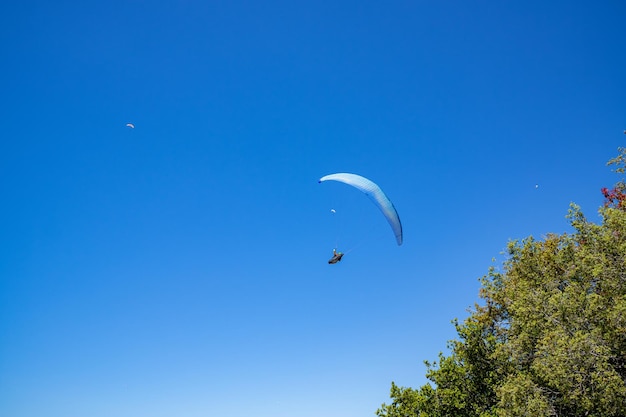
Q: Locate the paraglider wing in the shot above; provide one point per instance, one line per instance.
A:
(374, 192)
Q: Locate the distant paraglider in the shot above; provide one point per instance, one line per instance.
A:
(336, 257)
(377, 196)
(132, 126)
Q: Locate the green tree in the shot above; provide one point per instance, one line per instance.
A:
(548, 338)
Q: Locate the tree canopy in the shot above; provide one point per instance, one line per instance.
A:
(548, 337)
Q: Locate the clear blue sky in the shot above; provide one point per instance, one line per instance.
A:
(179, 268)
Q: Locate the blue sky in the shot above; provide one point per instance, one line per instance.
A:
(179, 268)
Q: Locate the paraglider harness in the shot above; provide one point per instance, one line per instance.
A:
(336, 257)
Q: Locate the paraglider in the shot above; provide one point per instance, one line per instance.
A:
(377, 196)
(336, 257)
(132, 126)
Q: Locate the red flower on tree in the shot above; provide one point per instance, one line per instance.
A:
(615, 197)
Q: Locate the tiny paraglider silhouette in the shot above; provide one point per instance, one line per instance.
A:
(132, 126)
(333, 211)
(336, 257)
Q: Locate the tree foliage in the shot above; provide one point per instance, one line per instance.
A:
(548, 338)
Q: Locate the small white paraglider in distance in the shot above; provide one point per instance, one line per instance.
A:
(333, 211)
(132, 126)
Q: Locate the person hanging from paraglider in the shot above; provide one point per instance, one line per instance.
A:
(336, 257)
